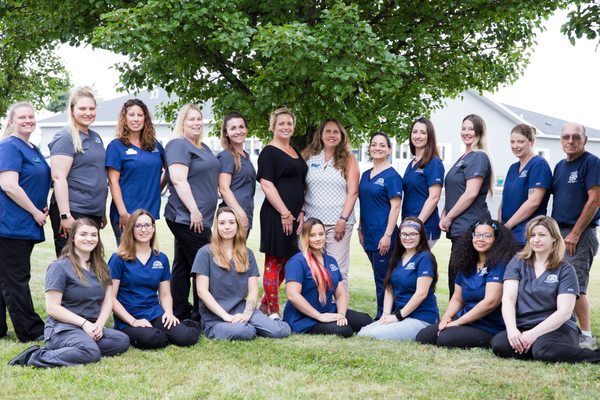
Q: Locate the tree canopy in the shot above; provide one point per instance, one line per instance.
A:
(583, 20)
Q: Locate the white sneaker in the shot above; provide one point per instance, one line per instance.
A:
(587, 342)
(275, 317)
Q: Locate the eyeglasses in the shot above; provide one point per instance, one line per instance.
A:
(411, 235)
(486, 236)
(140, 227)
(575, 138)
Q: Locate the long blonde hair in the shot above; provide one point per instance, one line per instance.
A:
(78, 93)
(181, 116)
(556, 257)
(9, 128)
(240, 251)
(342, 156)
(482, 145)
(127, 250)
(226, 142)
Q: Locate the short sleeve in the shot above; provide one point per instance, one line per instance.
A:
(161, 150)
(477, 166)
(267, 165)
(166, 276)
(459, 279)
(178, 152)
(393, 186)
(294, 270)
(496, 274)
(62, 145)
(227, 162)
(425, 267)
(10, 157)
(252, 263)
(513, 269)
(202, 261)
(435, 173)
(592, 177)
(568, 283)
(115, 263)
(540, 175)
(56, 278)
(113, 156)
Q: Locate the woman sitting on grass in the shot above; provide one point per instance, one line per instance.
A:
(409, 303)
(317, 304)
(139, 271)
(540, 290)
(473, 315)
(79, 302)
(227, 284)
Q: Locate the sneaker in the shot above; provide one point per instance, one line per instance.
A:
(587, 342)
(275, 317)
(24, 356)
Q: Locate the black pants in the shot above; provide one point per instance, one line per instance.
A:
(187, 244)
(561, 345)
(15, 295)
(158, 336)
(455, 336)
(356, 320)
(60, 239)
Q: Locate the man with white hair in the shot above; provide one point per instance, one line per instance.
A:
(576, 191)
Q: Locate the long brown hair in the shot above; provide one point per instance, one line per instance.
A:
(226, 142)
(431, 149)
(320, 274)
(127, 250)
(97, 264)
(556, 256)
(240, 251)
(148, 135)
(342, 154)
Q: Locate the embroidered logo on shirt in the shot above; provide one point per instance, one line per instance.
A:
(333, 267)
(131, 152)
(573, 177)
(97, 140)
(419, 170)
(315, 165)
(570, 289)
(36, 159)
(157, 265)
(551, 279)
(379, 182)
(410, 266)
(523, 174)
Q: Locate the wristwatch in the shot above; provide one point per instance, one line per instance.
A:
(65, 216)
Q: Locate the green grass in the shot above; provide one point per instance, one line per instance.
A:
(301, 366)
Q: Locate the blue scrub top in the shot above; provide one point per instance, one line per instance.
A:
(570, 185)
(138, 289)
(535, 174)
(374, 195)
(34, 179)
(404, 284)
(473, 291)
(140, 176)
(297, 270)
(416, 184)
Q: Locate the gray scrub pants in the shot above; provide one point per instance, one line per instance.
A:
(259, 324)
(74, 347)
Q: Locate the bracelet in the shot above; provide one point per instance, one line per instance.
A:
(344, 218)
(84, 321)
(133, 322)
(284, 216)
(399, 315)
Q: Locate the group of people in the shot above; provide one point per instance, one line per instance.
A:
(511, 284)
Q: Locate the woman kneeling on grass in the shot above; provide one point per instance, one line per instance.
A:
(227, 284)
(473, 315)
(409, 303)
(78, 301)
(312, 284)
(540, 290)
(138, 272)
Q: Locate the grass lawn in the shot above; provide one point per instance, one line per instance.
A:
(301, 366)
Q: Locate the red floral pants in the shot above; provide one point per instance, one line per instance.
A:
(273, 276)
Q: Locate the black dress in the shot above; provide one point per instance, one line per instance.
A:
(288, 174)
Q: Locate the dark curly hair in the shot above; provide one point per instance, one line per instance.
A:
(399, 251)
(464, 256)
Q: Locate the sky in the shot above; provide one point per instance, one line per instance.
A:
(561, 80)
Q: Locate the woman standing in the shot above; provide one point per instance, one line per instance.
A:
(237, 179)
(79, 302)
(281, 173)
(527, 185)
(317, 303)
(227, 282)
(332, 188)
(24, 186)
(473, 315)
(135, 162)
(423, 179)
(540, 290)
(467, 183)
(380, 194)
(77, 159)
(193, 173)
(138, 272)
(409, 304)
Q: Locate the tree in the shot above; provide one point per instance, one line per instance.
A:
(584, 20)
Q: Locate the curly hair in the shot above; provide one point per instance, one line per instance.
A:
(464, 257)
(148, 135)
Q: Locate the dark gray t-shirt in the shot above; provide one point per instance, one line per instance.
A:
(229, 288)
(87, 180)
(474, 164)
(243, 182)
(85, 301)
(537, 297)
(203, 177)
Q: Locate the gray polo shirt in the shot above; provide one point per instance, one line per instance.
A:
(243, 182)
(203, 177)
(85, 301)
(229, 288)
(87, 180)
(537, 297)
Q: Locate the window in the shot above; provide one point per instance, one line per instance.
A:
(544, 153)
(402, 151)
(445, 151)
